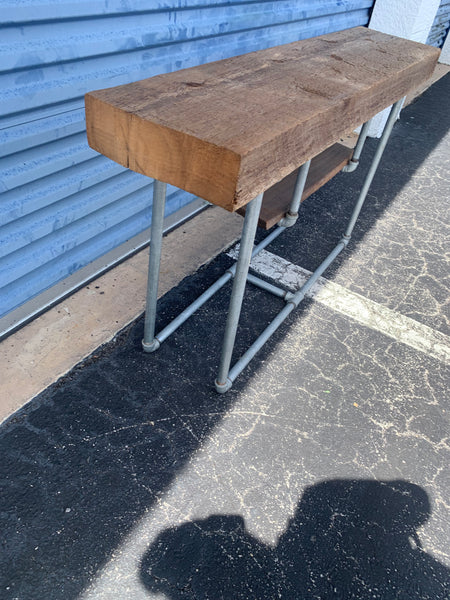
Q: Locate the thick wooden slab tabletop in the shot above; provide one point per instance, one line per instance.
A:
(229, 130)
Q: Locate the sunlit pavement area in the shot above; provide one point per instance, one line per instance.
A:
(322, 474)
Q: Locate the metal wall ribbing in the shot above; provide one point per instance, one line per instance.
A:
(62, 205)
(441, 25)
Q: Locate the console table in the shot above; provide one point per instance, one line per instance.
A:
(267, 121)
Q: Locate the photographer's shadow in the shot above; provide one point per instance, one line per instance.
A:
(349, 539)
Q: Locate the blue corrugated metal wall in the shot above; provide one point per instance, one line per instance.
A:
(441, 25)
(63, 205)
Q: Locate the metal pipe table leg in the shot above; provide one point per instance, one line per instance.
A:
(292, 215)
(150, 343)
(293, 300)
(245, 253)
(354, 161)
(373, 167)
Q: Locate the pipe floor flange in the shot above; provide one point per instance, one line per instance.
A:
(152, 346)
(223, 387)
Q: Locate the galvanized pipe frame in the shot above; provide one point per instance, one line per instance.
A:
(395, 110)
(226, 375)
(300, 294)
(149, 343)
(291, 216)
(354, 161)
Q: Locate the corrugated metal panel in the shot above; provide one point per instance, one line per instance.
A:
(441, 25)
(63, 205)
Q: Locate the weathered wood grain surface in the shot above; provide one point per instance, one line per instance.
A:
(229, 130)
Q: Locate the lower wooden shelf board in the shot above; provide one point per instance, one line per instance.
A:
(323, 167)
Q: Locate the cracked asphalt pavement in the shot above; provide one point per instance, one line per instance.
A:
(322, 474)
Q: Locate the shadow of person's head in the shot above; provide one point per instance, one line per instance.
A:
(348, 539)
(353, 509)
(351, 536)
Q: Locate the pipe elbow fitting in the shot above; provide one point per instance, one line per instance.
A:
(351, 166)
(288, 220)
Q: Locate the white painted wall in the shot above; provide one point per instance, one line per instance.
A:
(409, 19)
